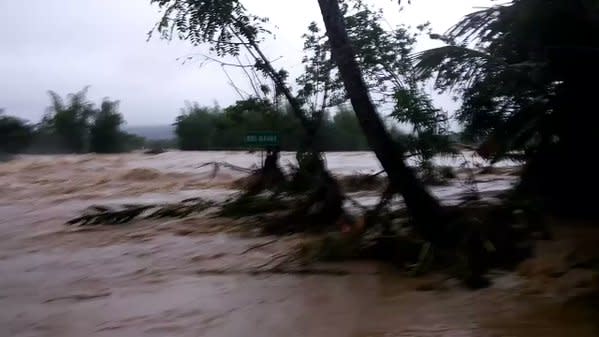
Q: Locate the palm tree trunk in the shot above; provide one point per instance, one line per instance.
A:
(422, 205)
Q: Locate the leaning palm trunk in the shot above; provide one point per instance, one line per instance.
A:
(424, 207)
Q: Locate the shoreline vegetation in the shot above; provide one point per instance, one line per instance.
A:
(197, 128)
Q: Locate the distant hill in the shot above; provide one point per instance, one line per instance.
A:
(154, 132)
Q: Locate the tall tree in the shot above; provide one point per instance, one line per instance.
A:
(70, 121)
(347, 129)
(194, 127)
(385, 58)
(522, 70)
(227, 27)
(15, 134)
(105, 130)
(424, 207)
(319, 89)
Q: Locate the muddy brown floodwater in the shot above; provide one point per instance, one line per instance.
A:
(191, 278)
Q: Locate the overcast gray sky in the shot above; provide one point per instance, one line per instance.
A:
(64, 45)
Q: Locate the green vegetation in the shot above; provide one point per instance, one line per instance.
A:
(385, 57)
(74, 126)
(520, 70)
(70, 122)
(203, 128)
(15, 134)
(524, 72)
(104, 132)
(78, 126)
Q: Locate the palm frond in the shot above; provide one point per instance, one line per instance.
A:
(474, 25)
(57, 101)
(451, 59)
(514, 133)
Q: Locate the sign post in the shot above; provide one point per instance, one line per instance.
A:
(262, 140)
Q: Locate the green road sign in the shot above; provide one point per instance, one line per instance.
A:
(262, 139)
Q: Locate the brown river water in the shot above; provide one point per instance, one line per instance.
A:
(193, 278)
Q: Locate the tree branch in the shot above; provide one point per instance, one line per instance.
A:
(239, 91)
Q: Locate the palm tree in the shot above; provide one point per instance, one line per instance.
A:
(522, 70)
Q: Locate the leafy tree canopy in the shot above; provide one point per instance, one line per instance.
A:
(15, 134)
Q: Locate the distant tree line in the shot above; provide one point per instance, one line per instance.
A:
(76, 125)
(213, 128)
(71, 125)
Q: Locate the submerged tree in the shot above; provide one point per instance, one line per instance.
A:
(227, 27)
(423, 206)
